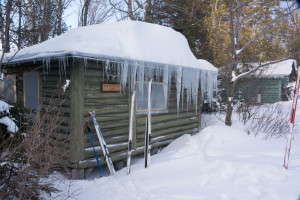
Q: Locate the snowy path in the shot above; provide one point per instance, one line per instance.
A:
(218, 163)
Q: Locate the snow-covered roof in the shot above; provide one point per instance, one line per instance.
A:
(139, 50)
(207, 64)
(278, 69)
(131, 40)
(283, 68)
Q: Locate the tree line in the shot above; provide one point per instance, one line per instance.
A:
(224, 32)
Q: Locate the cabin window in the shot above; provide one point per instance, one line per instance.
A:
(8, 88)
(31, 90)
(158, 101)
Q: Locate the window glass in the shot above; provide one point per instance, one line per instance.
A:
(158, 102)
(31, 90)
(7, 89)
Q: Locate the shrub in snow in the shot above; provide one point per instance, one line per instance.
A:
(6, 119)
(270, 120)
(30, 155)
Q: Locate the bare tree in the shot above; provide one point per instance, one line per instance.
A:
(237, 22)
(95, 12)
(238, 29)
(5, 22)
(131, 9)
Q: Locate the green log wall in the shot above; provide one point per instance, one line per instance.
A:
(112, 113)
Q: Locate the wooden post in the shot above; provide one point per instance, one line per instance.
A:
(76, 112)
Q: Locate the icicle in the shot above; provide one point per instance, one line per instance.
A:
(119, 72)
(195, 88)
(85, 61)
(44, 71)
(187, 79)
(178, 85)
(166, 83)
(59, 68)
(107, 67)
(65, 66)
(141, 75)
(133, 76)
(203, 84)
(48, 65)
(124, 75)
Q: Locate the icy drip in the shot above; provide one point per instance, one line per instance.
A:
(149, 73)
(46, 66)
(85, 61)
(107, 68)
(187, 80)
(141, 74)
(195, 88)
(165, 82)
(124, 75)
(133, 76)
(178, 85)
(203, 84)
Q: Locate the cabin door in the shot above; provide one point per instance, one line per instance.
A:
(31, 90)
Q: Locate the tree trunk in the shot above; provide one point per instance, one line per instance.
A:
(46, 19)
(59, 17)
(6, 47)
(20, 24)
(84, 12)
(230, 93)
(148, 12)
(130, 10)
(1, 26)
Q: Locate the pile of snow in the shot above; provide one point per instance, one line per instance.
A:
(219, 163)
(4, 119)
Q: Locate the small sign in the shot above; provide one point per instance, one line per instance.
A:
(111, 87)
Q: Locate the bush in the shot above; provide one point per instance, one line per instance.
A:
(31, 154)
(270, 120)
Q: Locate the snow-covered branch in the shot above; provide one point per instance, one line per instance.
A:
(260, 66)
(5, 119)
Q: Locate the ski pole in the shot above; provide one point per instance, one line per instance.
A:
(290, 136)
(99, 166)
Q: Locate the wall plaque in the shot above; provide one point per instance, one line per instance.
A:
(111, 87)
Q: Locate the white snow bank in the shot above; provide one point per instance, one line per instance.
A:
(219, 163)
(127, 39)
(4, 109)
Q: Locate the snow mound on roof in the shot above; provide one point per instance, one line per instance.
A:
(206, 64)
(283, 68)
(127, 39)
(279, 69)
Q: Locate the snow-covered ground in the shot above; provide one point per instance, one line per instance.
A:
(219, 163)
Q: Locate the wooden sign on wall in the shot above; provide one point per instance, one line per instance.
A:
(111, 87)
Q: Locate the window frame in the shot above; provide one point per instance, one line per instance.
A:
(153, 110)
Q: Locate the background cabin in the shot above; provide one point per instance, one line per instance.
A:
(269, 85)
